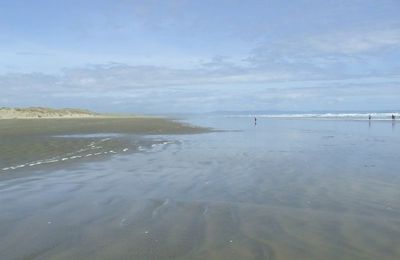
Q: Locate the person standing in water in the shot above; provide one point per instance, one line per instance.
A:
(369, 117)
(393, 121)
(255, 120)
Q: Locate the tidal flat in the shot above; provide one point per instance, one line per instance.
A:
(281, 189)
(35, 142)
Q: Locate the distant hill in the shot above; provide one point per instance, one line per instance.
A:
(42, 112)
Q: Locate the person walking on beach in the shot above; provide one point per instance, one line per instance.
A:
(393, 117)
(255, 120)
(369, 117)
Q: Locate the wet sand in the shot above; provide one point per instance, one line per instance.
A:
(124, 125)
(280, 190)
(35, 142)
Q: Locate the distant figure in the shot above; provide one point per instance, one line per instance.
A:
(255, 120)
(369, 117)
(393, 117)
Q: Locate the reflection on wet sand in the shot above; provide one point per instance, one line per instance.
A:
(306, 190)
(116, 228)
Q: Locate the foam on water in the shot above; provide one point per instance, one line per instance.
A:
(48, 161)
(68, 156)
(92, 146)
(107, 136)
(339, 116)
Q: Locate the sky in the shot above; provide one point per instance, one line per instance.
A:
(183, 56)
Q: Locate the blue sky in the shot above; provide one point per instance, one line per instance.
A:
(197, 56)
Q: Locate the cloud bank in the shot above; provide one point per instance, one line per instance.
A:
(201, 55)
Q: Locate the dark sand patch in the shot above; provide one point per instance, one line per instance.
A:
(38, 142)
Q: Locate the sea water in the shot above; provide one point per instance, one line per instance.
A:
(278, 189)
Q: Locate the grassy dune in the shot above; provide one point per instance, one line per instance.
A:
(42, 112)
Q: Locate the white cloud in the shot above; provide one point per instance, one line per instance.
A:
(125, 77)
(356, 42)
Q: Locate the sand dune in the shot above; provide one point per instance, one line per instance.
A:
(41, 112)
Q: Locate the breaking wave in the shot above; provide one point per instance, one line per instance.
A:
(338, 116)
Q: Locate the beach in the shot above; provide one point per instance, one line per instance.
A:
(281, 189)
(200, 130)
